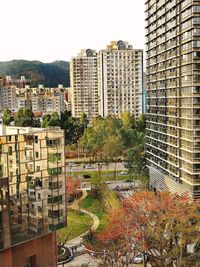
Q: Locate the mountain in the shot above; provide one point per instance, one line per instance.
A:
(49, 74)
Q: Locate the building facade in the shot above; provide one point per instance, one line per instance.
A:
(41, 100)
(120, 79)
(32, 195)
(8, 97)
(84, 84)
(173, 125)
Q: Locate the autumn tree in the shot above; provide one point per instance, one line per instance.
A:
(128, 120)
(149, 222)
(73, 187)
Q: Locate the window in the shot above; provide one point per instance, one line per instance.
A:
(31, 261)
(54, 171)
(10, 150)
(36, 139)
(54, 157)
(55, 199)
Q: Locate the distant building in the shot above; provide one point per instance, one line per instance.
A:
(84, 84)
(41, 100)
(8, 97)
(120, 79)
(32, 190)
(20, 83)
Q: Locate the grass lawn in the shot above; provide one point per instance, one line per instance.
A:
(94, 205)
(104, 178)
(78, 223)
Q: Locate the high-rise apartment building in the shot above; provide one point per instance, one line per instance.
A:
(173, 101)
(109, 82)
(32, 195)
(84, 84)
(120, 79)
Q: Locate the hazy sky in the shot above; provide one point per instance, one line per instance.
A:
(49, 30)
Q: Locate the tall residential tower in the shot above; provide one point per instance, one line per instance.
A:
(84, 84)
(173, 101)
(120, 79)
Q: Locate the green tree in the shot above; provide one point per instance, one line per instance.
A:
(141, 123)
(135, 161)
(94, 138)
(128, 120)
(7, 116)
(26, 118)
(51, 120)
(112, 150)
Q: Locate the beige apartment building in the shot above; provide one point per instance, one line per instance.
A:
(84, 84)
(8, 98)
(32, 195)
(41, 99)
(120, 79)
(173, 101)
(109, 82)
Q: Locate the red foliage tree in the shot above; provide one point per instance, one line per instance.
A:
(160, 226)
(73, 187)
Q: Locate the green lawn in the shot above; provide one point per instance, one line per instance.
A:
(78, 223)
(94, 205)
(103, 177)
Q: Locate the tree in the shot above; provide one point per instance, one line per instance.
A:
(74, 127)
(112, 149)
(26, 118)
(51, 120)
(7, 116)
(149, 222)
(128, 120)
(73, 187)
(94, 138)
(141, 123)
(135, 160)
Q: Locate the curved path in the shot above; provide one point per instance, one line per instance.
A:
(76, 206)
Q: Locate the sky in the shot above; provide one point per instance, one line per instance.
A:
(48, 30)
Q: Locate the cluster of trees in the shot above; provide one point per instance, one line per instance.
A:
(74, 127)
(23, 117)
(109, 139)
(164, 228)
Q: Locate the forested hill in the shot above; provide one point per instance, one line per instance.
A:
(49, 74)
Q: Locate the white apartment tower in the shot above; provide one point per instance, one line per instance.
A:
(120, 79)
(84, 83)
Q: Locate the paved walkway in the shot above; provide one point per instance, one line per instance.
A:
(76, 206)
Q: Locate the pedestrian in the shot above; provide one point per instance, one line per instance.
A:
(81, 240)
(75, 248)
